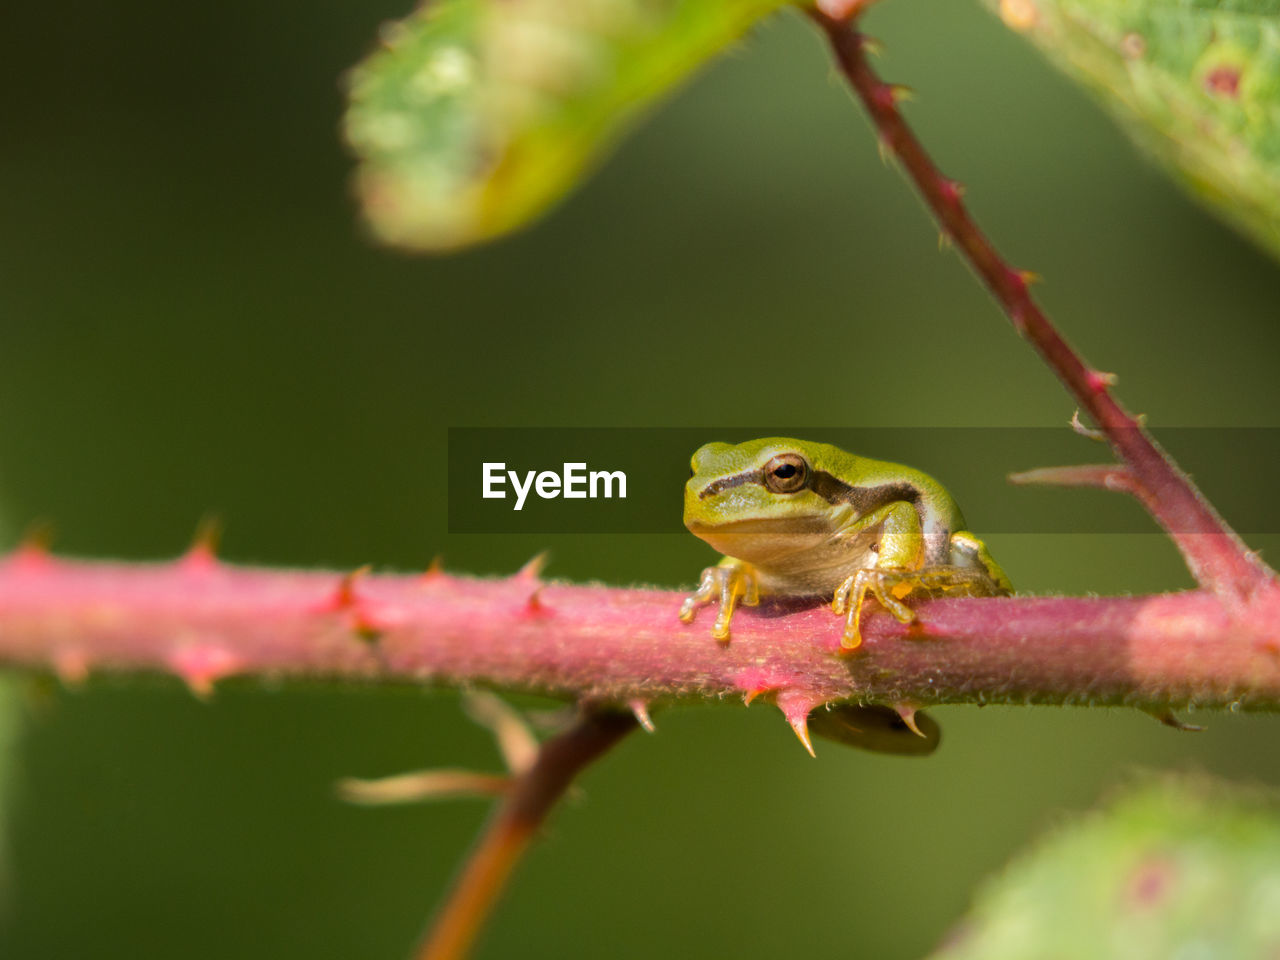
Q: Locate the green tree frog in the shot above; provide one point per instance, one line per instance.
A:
(795, 518)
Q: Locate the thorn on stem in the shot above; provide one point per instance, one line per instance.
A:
(952, 190)
(529, 576)
(435, 569)
(1022, 279)
(1087, 432)
(885, 149)
(796, 706)
(532, 570)
(641, 711)
(801, 727)
(201, 665)
(533, 604)
(346, 599)
(202, 555)
(1169, 719)
(1018, 316)
(345, 596)
(870, 45)
(755, 681)
(33, 551)
(907, 712)
(887, 95)
(1098, 380)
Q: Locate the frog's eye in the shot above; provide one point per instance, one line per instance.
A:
(786, 473)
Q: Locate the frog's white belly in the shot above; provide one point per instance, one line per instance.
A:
(819, 569)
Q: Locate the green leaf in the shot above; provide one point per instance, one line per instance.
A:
(1175, 869)
(475, 115)
(1195, 82)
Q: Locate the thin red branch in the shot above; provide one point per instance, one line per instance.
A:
(616, 646)
(1218, 559)
(514, 824)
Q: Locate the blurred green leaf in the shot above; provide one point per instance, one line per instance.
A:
(1195, 82)
(475, 115)
(1174, 869)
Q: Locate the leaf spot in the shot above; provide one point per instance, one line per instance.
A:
(1133, 46)
(1223, 81)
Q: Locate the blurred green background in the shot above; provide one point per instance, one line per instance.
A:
(192, 322)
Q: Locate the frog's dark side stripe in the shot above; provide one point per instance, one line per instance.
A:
(863, 499)
(830, 488)
(726, 483)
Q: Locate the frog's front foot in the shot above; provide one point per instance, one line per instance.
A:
(881, 584)
(728, 583)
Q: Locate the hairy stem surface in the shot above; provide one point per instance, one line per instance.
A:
(208, 621)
